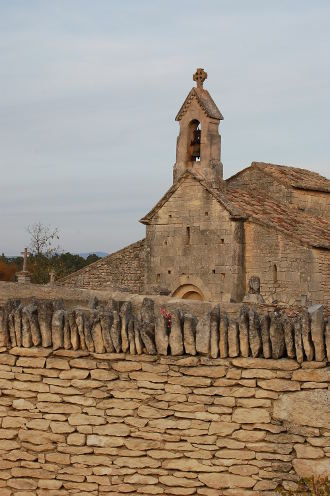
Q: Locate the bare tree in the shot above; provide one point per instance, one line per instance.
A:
(42, 239)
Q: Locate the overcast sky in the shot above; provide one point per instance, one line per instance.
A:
(89, 91)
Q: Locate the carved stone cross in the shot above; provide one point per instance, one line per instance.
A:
(25, 254)
(200, 76)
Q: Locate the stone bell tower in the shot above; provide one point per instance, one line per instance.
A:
(199, 142)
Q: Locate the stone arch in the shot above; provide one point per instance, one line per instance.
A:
(188, 292)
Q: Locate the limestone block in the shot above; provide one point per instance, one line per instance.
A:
(261, 363)
(80, 321)
(265, 336)
(115, 332)
(298, 340)
(161, 335)
(276, 332)
(306, 335)
(305, 451)
(126, 316)
(244, 332)
(203, 335)
(327, 337)
(137, 337)
(74, 333)
(88, 335)
(289, 337)
(106, 318)
(66, 332)
(45, 314)
(189, 334)
(233, 341)
(223, 338)
(251, 415)
(18, 324)
(131, 337)
(26, 330)
(11, 328)
(223, 480)
(214, 331)
(97, 335)
(175, 337)
(57, 329)
(311, 408)
(316, 313)
(308, 468)
(4, 334)
(32, 312)
(223, 428)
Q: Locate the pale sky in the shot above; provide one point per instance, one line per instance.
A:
(89, 91)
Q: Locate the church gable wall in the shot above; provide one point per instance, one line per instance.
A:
(193, 241)
(289, 272)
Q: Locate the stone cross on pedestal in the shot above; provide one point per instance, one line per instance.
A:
(24, 276)
(25, 254)
(200, 76)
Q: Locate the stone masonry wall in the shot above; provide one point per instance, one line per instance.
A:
(301, 273)
(74, 422)
(122, 270)
(192, 240)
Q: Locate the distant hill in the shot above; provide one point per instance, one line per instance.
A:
(98, 253)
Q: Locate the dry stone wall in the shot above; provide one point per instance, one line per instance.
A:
(76, 422)
(117, 397)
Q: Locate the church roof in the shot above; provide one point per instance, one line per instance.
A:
(205, 101)
(256, 207)
(308, 229)
(291, 176)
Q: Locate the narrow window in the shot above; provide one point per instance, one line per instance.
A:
(158, 278)
(165, 242)
(188, 235)
(222, 241)
(170, 216)
(213, 271)
(274, 273)
(168, 271)
(206, 213)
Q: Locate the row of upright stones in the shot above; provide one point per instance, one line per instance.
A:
(116, 328)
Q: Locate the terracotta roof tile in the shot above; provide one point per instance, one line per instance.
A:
(312, 230)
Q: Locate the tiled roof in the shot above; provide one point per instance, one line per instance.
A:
(292, 176)
(311, 230)
(205, 101)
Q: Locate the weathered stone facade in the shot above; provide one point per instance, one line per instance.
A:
(122, 270)
(207, 237)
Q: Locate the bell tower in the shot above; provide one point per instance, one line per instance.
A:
(199, 142)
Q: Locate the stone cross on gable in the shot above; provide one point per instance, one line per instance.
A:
(200, 76)
(25, 254)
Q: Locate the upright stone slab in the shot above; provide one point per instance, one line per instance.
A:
(277, 335)
(115, 331)
(203, 335)
(26, 330)
(97, 335)
(57, 329)
(223, 335)
(161, 335)
(74, 334)
(106, 323)
(254, 333)
(80, 320)
(265, 336)
(126, 316)
(316, 313)
(306, 335)
(289, 337)
(214, 331)
(298, 341)
(233, 341)
(4, 334)
(243, 325)
(45, 314)
(147, 328)
(327, 337)
(18, 324)
(131, 337)
(175, 338)
(67, 332)
(189, 334)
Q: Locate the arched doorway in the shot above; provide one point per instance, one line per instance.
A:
(188, 292)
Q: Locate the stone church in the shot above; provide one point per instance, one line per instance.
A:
(206, 237)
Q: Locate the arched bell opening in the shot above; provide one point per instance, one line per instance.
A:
(194, 141)
(188, 292)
